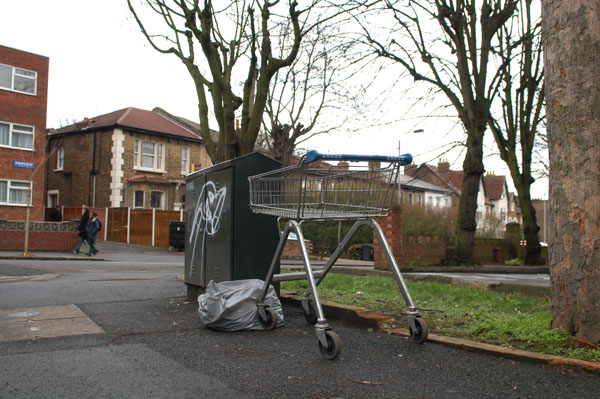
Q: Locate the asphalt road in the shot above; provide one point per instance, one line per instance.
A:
(150, 346)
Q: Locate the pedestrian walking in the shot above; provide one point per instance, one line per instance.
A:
(93, 227)
(82, 228)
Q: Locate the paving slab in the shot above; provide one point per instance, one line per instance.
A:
(44, 322)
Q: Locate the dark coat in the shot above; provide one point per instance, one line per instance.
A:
(93, 227)
(82, 227)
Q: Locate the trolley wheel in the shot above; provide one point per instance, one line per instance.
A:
(170, 249)
(311, 316)
(271, 318)
(334, 346)
(422, 331)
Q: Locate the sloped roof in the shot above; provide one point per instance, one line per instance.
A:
(494, 186)
(411, 182)
(214, 134)
(134, 119)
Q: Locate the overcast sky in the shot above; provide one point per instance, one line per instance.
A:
(100, 62)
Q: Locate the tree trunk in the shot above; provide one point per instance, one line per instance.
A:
(533, 255)
(467, 208)
(571, 34)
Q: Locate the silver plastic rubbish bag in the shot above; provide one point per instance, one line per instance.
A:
(231, 305)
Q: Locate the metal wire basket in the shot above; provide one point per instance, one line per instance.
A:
(315, 190)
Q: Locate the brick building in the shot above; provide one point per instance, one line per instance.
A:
(127, 158)
(23, 104)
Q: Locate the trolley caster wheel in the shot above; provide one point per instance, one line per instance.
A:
(422, 331)
(311, 316)
(270, 320)
(334, 346)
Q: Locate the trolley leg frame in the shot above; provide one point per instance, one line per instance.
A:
(417, 325)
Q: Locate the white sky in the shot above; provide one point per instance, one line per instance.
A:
(100, 62)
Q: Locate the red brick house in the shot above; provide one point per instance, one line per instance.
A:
(23, 105)
(127, 158)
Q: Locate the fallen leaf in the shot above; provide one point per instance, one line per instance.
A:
(364, 382)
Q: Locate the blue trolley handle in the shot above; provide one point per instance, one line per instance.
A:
(313, 156)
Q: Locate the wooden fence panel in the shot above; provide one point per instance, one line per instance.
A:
(116, 224)
(140, 229)
(163, 219)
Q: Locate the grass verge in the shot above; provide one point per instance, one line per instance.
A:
(509, 320)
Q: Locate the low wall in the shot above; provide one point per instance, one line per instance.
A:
(291, 249)
(43, 236)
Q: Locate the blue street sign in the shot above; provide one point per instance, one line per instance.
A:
(23, 164)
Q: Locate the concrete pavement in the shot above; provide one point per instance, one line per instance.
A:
(123, 292)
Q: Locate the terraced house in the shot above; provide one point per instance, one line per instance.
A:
(127, 158)
(23, 105)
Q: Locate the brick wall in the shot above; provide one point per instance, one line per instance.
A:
(56, 237)
(391, 226)
(291, 249)
(28, 110)
(427, 251)
(422, 251)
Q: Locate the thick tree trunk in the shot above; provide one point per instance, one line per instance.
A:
(571, 33)
(467, 208)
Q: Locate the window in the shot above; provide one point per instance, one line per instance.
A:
(18, 79)
(14, 192)
(138, 199)
(419, 199)
(185, 160)
(148, 155)
(16, 136)
(60, 158)
(156, 199)
(53, 196)
(503, 214)
(410, 198)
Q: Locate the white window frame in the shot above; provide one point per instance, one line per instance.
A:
(11, 132)
(60, 158)
(50, 194)
(158, 156)
(143, 199)
(9, 188)
(16, 73)
(162, 199)
(185, 160)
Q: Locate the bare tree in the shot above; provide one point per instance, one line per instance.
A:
(516, 130)
(219, 45)
(299, 95)
(570, 36)
(449, 45)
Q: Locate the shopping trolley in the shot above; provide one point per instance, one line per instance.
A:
(314, 190)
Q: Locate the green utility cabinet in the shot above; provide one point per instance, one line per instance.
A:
(224, 239)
